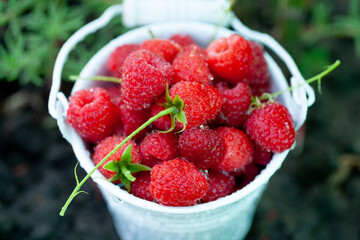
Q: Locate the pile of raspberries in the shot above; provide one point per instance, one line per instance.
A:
(230, 135)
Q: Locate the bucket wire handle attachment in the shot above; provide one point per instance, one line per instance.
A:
(304, 94)
(56, 97)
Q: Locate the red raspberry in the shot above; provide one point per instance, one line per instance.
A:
(203, 147)
(140, 187)
(133, 119)
(246, 175)
(92, 114)
(165, 48)
(163, 123)
(190, 65)
(182, 39)
(221, 185)
(106, 146)
(144, 78)
(261, 75)
(130, 119)
(238, 149)
(271, 127)
(236, 104)
(117, 58)
(262, 156)
(177, 183)
(202, 102)
(231, 59)
(159, 147)
(259, 89)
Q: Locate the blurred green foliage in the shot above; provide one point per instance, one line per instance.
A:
(32, 32)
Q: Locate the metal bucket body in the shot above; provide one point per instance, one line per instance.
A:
(137, 219)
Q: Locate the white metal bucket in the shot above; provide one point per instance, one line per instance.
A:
(137, 219)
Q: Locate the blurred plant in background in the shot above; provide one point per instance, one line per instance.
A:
(32, 32)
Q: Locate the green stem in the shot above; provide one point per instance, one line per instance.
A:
(152, 119)
(97, 78)
(317, 77)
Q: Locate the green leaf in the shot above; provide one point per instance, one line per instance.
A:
(112, 166)
(134, 168)
(126, 182)
(127, 174)
(126, 156)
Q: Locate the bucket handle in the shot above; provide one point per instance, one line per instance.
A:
(56, 97)
(305, 94)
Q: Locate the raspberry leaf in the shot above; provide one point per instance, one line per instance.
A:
(112, 166)
(178, 114)
(124, 168)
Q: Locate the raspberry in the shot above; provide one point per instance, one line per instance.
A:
(202, 102)
(182, 39)
(140, 187)
(231, 59)
(190, 65)
(117, 58)
(177, 183)
(236, 104)
(247, 175)
(261, 75)
(238, 149)
(92, 114)
(106, 146)
(221, 184)
(271, 127)
(144, 78)
(131, 119)
(203, 147)
(162, 123)
(159, 147)
(262, 156)
(165, 48)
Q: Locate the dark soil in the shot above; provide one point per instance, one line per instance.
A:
(315, 195)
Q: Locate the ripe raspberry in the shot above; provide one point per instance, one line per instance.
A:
(177, 183)
(238, 149)
(221, 185)
(130, 119)
(106, 146)
(231, 59)
(271, 127)
(163, 123)
(236, 104)
(203, 147)
(92, 114)
(117, 58)
(262, 156)
(164, 48)
(140, 187)
(261, 73)
(159, 147)
(182, 39)
(190, 65)
(144, 78)
(133, 119)
(246, 175)
(202, 102)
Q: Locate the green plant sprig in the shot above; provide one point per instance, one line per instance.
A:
(318, 77)
(96, 78)
(176, 110)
